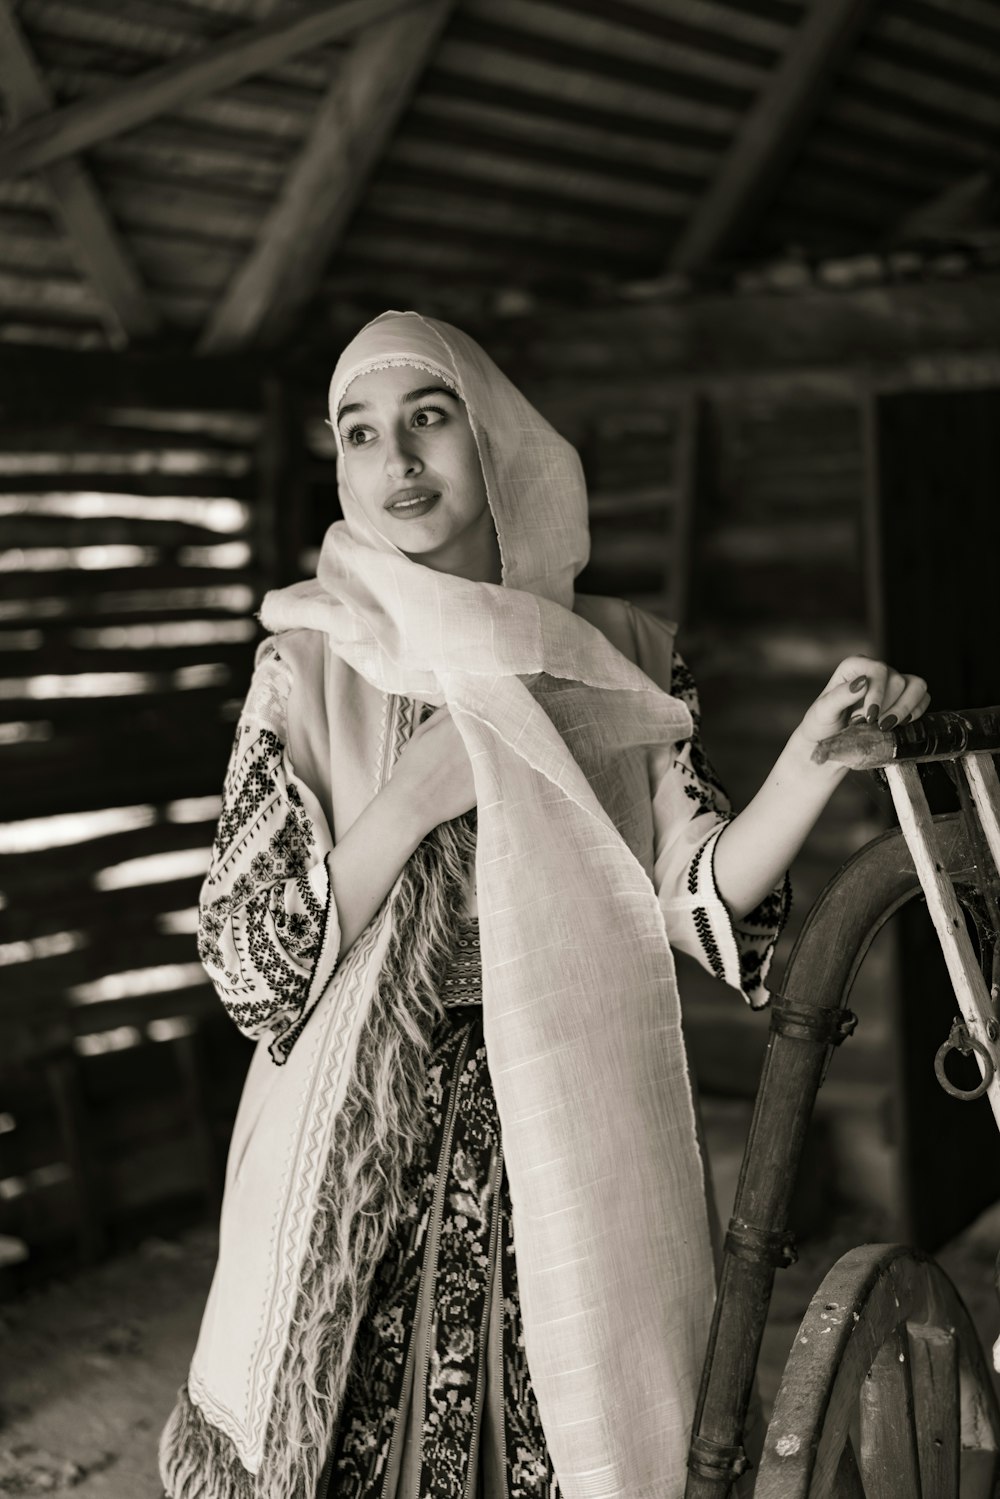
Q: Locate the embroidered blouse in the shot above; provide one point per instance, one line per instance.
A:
(266, 906)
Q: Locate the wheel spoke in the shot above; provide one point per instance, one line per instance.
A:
(934, 1372)
(889, 1461)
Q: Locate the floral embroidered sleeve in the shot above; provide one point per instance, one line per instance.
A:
(268, 933)
(691, 808)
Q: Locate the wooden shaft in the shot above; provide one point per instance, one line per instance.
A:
(789, 1082)
(966, 976)
(934, 736)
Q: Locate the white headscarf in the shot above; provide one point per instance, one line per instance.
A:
(580, 1007)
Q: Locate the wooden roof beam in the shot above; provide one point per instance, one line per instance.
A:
(352, 128)
(101, 254)
(75, 127)
(767, 139)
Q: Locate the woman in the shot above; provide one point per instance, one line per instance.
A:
(466, 818)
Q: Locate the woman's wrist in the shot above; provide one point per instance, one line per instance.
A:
(759, 843)
(798, 753)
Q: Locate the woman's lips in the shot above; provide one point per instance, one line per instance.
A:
(408, 509)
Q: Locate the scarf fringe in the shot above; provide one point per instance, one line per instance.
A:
(360, 1203)
(197, 1461)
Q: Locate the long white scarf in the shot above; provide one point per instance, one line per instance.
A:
(580, 1005)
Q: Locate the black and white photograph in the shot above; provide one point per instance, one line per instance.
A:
(499, 707)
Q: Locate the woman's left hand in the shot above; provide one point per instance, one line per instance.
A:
(862, 689)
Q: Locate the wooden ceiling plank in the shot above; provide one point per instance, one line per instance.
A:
(608, 35)
(565, 85)
(436, 113)
(767, 138)
(102, 256)
(353, 126)
(502, 168)
(258, 49)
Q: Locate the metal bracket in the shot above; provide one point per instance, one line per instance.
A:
(709, 1459)
(761, 1246)
(825, 1023)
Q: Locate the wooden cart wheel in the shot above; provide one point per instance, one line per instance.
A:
(886, 1393)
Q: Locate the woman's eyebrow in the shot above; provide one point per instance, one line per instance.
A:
(411, 395)
(428, 390)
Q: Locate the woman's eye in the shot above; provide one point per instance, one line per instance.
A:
(352, 435)
(430, 412)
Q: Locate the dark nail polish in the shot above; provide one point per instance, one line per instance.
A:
(906, 719)
(888, 722)
(858, 684)
(873, 712)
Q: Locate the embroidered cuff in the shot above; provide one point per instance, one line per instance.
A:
(269, 933)
(737, 952)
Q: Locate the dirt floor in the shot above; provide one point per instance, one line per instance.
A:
(90, 1365)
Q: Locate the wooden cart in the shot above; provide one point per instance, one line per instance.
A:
(887, 1392)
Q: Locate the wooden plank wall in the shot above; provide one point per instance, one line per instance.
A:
(137, 531)
(779, 595)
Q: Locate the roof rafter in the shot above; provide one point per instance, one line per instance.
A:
(353, 125)
(101, 254)
(768, 137)
(75, 127)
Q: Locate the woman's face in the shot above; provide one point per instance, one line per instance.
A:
(412, 463)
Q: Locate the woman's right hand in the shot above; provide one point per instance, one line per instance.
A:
(434, 770)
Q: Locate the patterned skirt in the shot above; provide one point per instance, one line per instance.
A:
(439, 1402)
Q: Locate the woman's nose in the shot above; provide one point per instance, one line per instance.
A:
(402, 459)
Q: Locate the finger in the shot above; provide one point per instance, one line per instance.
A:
(913, 690)
(892, 694)
(843, 695)
(870, 706)
(850, 670)
(913, 703)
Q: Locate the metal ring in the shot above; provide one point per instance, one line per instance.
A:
(965, 1095)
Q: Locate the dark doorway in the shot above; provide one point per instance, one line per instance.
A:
(937, 483)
